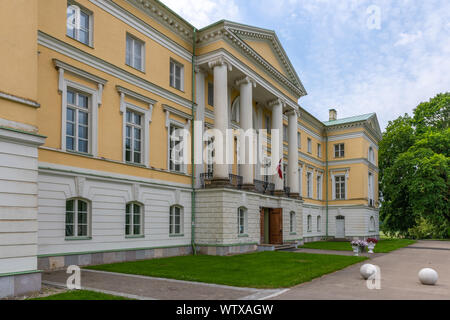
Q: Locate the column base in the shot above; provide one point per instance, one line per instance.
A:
(248, 187)
(219, 183)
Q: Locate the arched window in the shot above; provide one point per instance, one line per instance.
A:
(319, 223)
(371, 155)
(77, 218)
(372, 224)
(133, 219)
(242, 221)
(292, 220)
(309, 223)
(176, 220)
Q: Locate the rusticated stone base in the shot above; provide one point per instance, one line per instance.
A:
(20, 284)
(226, 250)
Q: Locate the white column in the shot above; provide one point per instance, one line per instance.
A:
(277, 124)
(293, 153)
(247, 145)
(221, 68)
(199, 116)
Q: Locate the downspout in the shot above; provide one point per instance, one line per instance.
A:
(326, 183)
(194, 250)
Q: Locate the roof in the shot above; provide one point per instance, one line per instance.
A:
(362, 117)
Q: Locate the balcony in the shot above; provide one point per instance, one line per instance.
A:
(234, 180)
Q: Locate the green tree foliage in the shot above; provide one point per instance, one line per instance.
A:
(414, 158)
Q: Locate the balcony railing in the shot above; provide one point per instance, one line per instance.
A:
(235, 180)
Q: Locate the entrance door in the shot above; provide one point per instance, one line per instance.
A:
(340, 227)
(276, 226)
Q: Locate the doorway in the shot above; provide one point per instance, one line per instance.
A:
(340, 227)
(271, 222)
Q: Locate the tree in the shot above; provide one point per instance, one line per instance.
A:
(414, 170)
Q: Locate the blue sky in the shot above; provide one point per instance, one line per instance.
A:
(342, 61)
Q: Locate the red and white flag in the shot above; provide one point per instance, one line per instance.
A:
(280, 172)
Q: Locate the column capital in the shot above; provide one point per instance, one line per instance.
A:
(293, 112)
(245, 80)
(220, 61)
(198, 69)
(276, 101)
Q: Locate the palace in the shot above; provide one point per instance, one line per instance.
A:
(90, 93)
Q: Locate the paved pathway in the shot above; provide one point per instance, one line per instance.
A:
(399, 278)
(150, 288)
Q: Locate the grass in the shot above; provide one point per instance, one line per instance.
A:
(81, 295)
(383, 246)
(271, 269)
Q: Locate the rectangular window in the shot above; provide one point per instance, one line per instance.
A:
(77, 218)
(133, 219)
(285, 133)
(77, 121)
(319, 188)
(175, 225)
(309, 145)
(371, 191)
(285, 172)
(340, 187)
(319, 150)
(339, 150)
(299, 140)
(176, 75)
(175, 149)
(309, 184)
(267, 124)
(135, 53)
(210, 93)
(133, 137)
(292, 222)
(79, 23)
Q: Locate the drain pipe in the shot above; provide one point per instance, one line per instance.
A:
(194, 250)
(326, 183)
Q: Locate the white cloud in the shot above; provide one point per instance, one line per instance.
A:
(201, 13)
(406, 38)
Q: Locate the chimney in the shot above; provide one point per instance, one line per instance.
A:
(333, 114)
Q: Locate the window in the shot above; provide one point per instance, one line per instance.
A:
(176, 75)
(309, 145)
(292, 222)
(210, 156)
(300, 180)
(210, 93)
(371, 190)
(77, 121)
(77, 218)
(340, 187)
(309, 184)
(319, 227)
(319, 150)
(309, 223)
(241, 221)
(285, 133)
(299, 140)
(133, 219)
(135, 53)
(133, 138)
(79, 23)
(371, 155)
(175, 223)
(285, 171)
(372, 224)
(339, 150)
(175, 149)
(267, 123)
(319, 187)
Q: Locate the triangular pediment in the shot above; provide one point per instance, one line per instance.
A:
(266, 50)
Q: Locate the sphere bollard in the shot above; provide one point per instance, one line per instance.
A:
(367, 270)
(428, 276)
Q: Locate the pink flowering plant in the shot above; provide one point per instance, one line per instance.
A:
(372, 240)
(359, 243)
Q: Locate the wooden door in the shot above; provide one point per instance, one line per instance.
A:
(276, 226)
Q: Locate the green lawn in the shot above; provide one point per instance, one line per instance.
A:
(81, 295)
(383, 246)
(270, 269)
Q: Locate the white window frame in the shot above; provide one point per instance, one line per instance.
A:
(77, 109)
(300, 179)
(139, 126)
(299, 140)
(372, 224)
(210, 94)
(75, 219)
(371, 188)
(285, 133)
(242, 221)
(309, 223)
(132, 214)
(292, 222)
(90, 15)
(172, 224)
(319, 150)
(309, 145)
(309, 184)
(319, 224)
(340, 149)
(142, 43)
(319, 187)
(172, 77)
(339, 172)
(146, 120)
(174, 123)
(371, 155)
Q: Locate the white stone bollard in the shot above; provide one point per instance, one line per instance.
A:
(428, 276)
(367, 270)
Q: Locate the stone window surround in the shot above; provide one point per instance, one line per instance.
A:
(338, 172)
